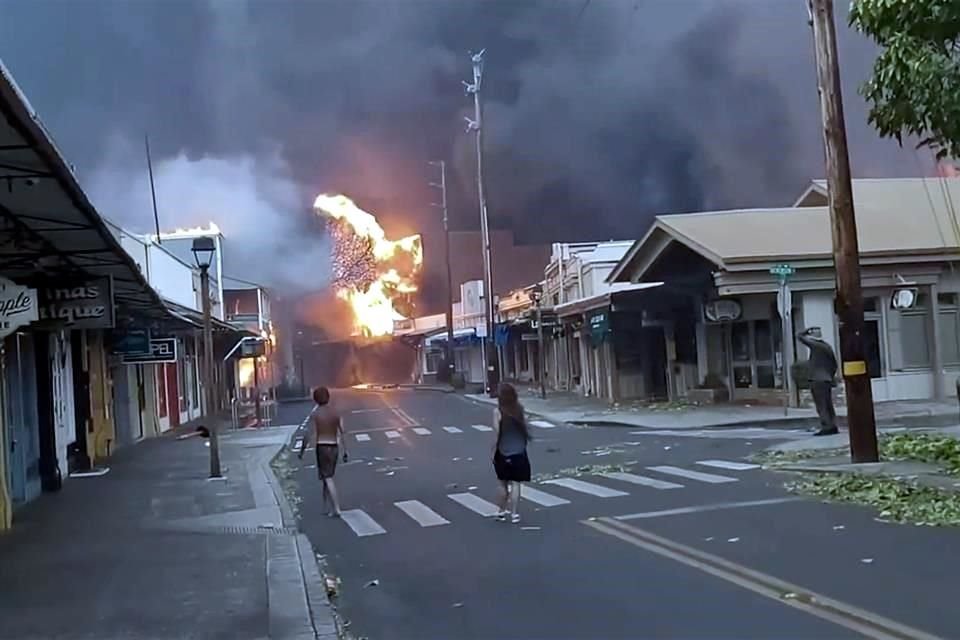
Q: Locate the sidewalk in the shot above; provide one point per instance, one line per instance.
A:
(564, 407)
(154, 549)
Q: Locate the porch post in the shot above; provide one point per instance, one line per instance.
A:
(936, 357)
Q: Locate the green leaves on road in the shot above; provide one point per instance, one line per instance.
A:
(897, 500)
(921, 447)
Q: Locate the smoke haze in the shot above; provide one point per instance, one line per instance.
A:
(598, 114)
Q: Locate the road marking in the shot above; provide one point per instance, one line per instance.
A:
(542, 498)
(864, 622)
(543, 424)
(362, 524)
(421, 431)
(482, 427)
(705, 507)
(452, 430)
(392, 435)
(424, 515)
(643, 480)
(362, 437)
(475, 504)
(368, 410)
(726, 464)
(586, 487)
(692, 475)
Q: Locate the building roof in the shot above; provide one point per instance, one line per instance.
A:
(51, 222)
(894, 217)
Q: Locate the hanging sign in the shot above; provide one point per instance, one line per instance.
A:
(599, 322)
(161, 350)
(18, 306)
(87, 304)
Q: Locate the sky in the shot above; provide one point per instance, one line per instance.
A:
(598, 114)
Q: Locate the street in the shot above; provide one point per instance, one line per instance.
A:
(418, 559)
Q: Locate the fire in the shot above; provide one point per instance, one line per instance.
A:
(370, 272)
(245, 372)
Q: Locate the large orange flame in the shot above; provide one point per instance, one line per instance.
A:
(397, 264)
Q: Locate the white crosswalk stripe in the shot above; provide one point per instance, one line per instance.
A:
(422, 431)
(726, 464)
(542, 424)
(692, 475)
(362, 524)
(452, 430)
(424, 515)
(586, 487)
(542, 498)
(642, 480)
(362, 437)
(475, 504)
(393, 434)
(482, 427)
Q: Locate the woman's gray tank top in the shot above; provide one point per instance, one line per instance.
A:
(511, 440)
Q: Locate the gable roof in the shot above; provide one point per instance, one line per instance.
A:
(908, 216)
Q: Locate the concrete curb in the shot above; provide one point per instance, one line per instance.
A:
(319, 607)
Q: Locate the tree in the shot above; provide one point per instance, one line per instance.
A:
(915, 86)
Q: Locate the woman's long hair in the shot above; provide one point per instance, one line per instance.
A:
(509, 405)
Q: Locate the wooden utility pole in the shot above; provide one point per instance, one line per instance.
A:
(846, 253)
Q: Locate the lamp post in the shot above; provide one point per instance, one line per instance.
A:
(203, 250)
(448, 357)
(541, 360)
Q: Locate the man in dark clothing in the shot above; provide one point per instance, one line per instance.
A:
(823, 372)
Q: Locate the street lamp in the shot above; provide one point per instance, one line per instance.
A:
(537, 295)
(203, 250)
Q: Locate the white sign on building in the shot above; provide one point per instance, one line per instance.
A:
(18, 306)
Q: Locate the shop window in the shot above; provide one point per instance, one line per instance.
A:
(949, 328)
(753, 351)
(915, 335)
(434, 361)
(872, 345)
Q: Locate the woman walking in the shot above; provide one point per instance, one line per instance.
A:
(510, 459)
(326, 429)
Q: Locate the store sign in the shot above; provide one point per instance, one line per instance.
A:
(85, 305)
(132, 342)
(722, 310)
(161, 350)
(599, 324)
(18, 306)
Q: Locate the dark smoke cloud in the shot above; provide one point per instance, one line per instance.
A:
(597, 117)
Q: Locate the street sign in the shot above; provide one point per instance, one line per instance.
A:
(132, 342)
(782, 271)
(161, 350)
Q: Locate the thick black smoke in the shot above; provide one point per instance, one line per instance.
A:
(598, 115)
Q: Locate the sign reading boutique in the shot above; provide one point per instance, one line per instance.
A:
(82, 305)
(18, 306)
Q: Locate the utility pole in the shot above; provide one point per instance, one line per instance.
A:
(846, 253)
(492, 372)
(451, 367)
(541, 356)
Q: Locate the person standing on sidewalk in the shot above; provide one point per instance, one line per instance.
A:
(326, 430)
(510, 459)
(823, 374)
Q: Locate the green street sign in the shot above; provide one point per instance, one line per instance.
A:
(782, 270)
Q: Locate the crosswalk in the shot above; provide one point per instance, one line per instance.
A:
(552, 493)
(399, 433)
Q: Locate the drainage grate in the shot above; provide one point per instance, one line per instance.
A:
(254, 531)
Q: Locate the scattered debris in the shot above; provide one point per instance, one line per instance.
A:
(472, 488)
(392, 473)
(710, 539)
(866, 560)
(733, 539)
(457, 605)
(372, 583)
(553, 449)
(398, 458)
(452, 485)
(332, 584)
(530, 528)
(838, 527)
(667, 448)
(790, 595)
(592, 518)
(456, 459)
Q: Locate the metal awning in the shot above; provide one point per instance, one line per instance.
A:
(195, 319)
(48, 227)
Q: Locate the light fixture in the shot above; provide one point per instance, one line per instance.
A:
(904, 298)
(203, 250)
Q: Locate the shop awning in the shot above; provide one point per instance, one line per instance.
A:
(194, 318)
(48, 227)
(603, 300)
(458, 334)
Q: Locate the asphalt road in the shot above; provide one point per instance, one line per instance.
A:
(617, 557)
